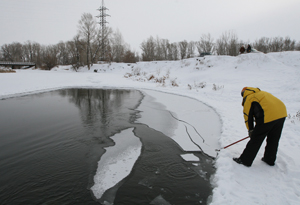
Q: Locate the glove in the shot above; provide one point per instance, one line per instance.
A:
(250, 133)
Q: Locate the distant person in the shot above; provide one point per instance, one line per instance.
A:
(248, 48)
(269, 114)
(242, 49)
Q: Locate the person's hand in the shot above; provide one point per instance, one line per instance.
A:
(250, 133)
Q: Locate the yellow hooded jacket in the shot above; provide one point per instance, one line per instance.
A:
(273, 108)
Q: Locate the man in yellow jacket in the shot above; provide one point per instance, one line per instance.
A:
(268, 113)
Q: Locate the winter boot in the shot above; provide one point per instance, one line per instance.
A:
(239, 161)
(269, 163)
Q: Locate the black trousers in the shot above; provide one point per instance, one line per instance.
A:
(272, 131)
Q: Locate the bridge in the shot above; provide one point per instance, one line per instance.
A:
(13, 64)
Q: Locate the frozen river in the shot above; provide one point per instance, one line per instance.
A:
(85, 146)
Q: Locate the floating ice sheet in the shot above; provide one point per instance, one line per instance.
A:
(117, 162)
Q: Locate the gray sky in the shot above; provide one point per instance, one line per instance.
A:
(50, 21)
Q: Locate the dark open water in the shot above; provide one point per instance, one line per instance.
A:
(50, 145)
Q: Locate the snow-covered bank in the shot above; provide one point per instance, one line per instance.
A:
(216, 81)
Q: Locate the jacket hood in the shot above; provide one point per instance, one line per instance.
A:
(249, 91)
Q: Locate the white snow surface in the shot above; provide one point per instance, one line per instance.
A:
(216, 81)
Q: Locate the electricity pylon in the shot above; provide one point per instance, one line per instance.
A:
(103, 30)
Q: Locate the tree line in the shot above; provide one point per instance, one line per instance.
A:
(85, 47)
(83, 50)
(227, 44)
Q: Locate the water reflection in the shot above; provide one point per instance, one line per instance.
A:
(105, 109)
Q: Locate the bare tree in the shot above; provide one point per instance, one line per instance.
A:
(6, 53)
(129, 57)
(63, 55)
(262, 44)
(277, 44)
(288, 44)
(118, 46)
(206, 44)
(87, 30)
(173, 51)
(148, 47)
(164, 47)
(32, 53)
(1, 55)
(36, 47)
(183, 45)
(191, 49)
(49, 56)
(75, 51)
(103, 39)
(159, 51)
(297, 47)
(221, 45)
(233, 44)
(228, 44)
(28, 51)
(13, 52)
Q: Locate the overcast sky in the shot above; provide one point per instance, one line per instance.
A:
(50, 21)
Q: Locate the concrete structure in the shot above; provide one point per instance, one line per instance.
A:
(15, 64)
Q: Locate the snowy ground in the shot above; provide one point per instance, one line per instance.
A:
(216, 81)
